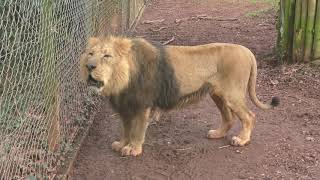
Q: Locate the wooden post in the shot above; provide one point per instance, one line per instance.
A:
(309, 30)
(286, 29)
(316, 39)
(50, 81)
(297, 36)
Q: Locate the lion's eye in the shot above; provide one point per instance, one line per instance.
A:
(90, 53)
(107, 56)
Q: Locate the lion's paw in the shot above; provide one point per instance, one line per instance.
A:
(117, 146)
(131, 150)
(215, 134)
(156, 116)
(237, 141)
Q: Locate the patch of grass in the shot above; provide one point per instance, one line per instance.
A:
(256, 13)
(274, 6)
(274, 3)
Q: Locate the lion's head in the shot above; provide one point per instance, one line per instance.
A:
(106, 65)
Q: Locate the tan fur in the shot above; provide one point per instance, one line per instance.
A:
(230, 70)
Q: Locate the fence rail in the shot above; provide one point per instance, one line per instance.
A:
(43, 106)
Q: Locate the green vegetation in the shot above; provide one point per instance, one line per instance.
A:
(299, 30)
(274, 6)
(274, 3)
(257, 13)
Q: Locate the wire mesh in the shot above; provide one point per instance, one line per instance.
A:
(43, 105)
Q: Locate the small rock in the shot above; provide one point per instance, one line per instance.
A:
(136, 178)
(274, 82)
(241, 176)
(238, 151)
(309, 138)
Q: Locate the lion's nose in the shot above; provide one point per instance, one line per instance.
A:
(91, 66)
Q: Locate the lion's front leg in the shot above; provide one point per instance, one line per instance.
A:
(139, 124)
(125, 135)
(156, 115)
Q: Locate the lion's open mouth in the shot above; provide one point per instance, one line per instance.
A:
(93, 82)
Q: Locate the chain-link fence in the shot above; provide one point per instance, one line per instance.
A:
(44, 109)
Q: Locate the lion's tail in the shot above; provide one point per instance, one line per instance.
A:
(252, 88)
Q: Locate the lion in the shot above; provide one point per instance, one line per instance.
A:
(141, 77)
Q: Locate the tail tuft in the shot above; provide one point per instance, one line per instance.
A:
(275, 101)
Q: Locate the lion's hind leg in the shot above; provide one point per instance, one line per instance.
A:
(247, 118)
(227, 121)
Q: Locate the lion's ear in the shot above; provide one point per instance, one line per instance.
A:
(92, 41)
(122, 46)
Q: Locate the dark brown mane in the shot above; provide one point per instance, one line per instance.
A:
(154, 83)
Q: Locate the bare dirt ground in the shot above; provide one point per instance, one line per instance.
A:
(285, 142)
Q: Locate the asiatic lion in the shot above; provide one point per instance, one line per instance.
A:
(139, 76)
